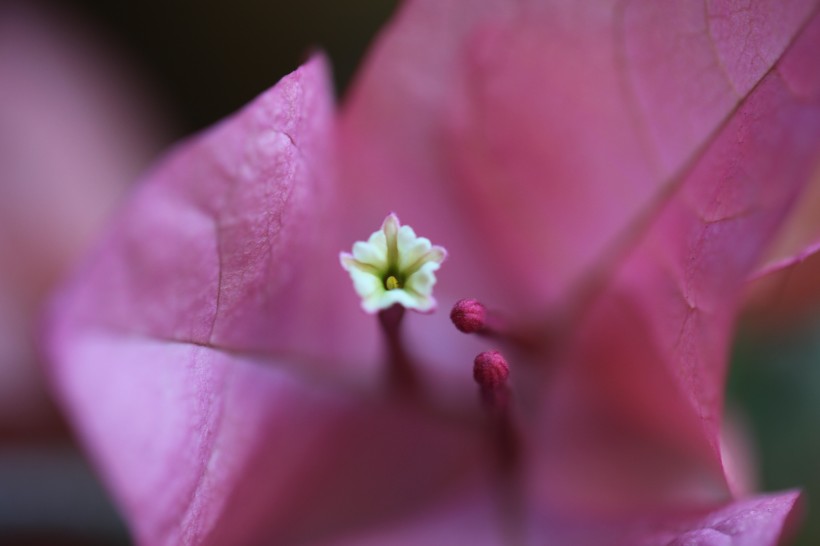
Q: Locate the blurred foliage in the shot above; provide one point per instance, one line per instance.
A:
(210, 57)
(776, 380)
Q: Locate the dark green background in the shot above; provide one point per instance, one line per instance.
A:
(775, 379)
(211, 57)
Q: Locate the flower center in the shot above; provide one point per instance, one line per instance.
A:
(391, 283)
(394, 270)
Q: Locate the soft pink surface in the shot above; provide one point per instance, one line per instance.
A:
(616, 170)
(757, 521)
(651, 348)
(76, 129)
(204, 446)
(480, 117)
(177, 349)
(784, 289)
(606, 177)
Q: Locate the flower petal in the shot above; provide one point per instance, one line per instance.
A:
(203, 446)
(784, 289)
(542, 130)
(201, 361)
(223, 244)
(373, 253)
(649, 353)
(765, 520)
(644, 150)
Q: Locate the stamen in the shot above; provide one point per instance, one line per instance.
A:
(392, 283)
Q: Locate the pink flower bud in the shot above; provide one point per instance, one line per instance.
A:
(490, 370)
(469, 316)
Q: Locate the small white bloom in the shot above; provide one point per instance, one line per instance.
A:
(394, 266)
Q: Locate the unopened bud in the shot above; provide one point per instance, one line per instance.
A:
(469, 316)
(490, 370)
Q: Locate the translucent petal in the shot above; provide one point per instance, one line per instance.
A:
(373, 252)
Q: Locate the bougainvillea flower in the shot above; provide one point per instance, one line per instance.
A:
(75, 128)
(394, 266)
(604, 178)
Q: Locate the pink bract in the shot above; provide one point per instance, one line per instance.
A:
(605, 175)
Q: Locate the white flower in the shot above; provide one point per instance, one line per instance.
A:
(393, 267)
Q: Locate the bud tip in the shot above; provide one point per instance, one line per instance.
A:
(490, 370)
(469, 315)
